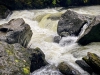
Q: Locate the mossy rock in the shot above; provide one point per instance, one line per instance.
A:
(93, 61)
(14, 59)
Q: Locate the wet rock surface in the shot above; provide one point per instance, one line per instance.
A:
(14, 56)
(16, 31)
(37, 60)
(57, 39)
(93, 61)
(71, 22)
(14, 59)
(84, 66)
(92, 33)
(66, 69)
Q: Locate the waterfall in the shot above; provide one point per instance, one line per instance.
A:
(43, 26)
(83, 29)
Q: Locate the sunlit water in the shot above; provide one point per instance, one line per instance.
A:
(45, 29)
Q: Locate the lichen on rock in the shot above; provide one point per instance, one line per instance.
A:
(14, 59)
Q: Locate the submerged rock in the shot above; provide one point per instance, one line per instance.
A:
(66, 69)
(92, 33)
(4, 12)
(14, 59)
(16, 31)
(57, 39)
(37, 60)
(93, 61)
(48, 20)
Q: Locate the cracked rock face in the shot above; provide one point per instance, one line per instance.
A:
(16, 31)
(72, 22)
(14, 59)
(92, 33)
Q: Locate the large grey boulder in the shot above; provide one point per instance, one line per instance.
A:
(72, 22)
(14, 59)
(16, 31)
(4, 12)
(92, 33)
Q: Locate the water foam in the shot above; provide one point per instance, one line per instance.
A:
(43, 38)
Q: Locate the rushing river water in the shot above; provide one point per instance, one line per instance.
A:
(44, 26)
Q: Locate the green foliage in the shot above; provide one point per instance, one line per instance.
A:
(85, 1)
(21, 4)
(54, 2)
(68, 2)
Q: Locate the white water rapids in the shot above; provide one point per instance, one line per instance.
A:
(44, 30)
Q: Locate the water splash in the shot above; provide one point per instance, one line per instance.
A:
(68, 41)
(47, 70)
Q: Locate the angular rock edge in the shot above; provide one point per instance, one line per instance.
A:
(93, 61)
(92, 32)
(16, 31)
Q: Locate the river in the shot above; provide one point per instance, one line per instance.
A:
(43, 23)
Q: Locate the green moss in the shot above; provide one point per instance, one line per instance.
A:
(9, 52)
(16, 60)
(54, 2)
(85, 1)
(26, 70)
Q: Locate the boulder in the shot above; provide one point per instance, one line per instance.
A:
(4, 12)
(57, 39)
(14, 59)
(84, 66)
(16, 31)
(66, 69)
(93, 61)
(92, 33)
(37, 60)
(72, 22)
